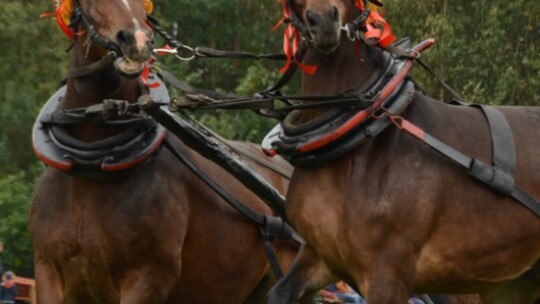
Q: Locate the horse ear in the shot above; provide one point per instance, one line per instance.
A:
(148, 6)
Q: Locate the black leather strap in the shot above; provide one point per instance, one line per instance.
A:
(504, 152)
(219, 154)
(188, 89)
(213, 53)
(493, 176)
(270, 226)
(94, 67)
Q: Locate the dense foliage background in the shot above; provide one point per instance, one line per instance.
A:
(488, 50)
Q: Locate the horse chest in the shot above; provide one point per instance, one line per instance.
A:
(315, 206)
(81, 218)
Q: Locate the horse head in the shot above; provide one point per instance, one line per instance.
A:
(323, 23)
(119, 26)
(320, 21)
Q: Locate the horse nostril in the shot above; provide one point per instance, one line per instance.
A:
(334, 13)
(122, 38)
(311, 18)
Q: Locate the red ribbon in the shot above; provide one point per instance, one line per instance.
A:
(378, 29)
(60, 19)
(146, 72)
(291, 40)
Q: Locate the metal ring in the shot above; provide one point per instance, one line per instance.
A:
(415, 53)
(188, 58)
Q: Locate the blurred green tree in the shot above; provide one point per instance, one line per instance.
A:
(488, 49)
(15, 194)
(32, 65)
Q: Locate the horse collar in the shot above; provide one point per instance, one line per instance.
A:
(342, 130)
(108, 158)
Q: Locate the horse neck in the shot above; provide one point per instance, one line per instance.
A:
(343, 69)
(93, 89)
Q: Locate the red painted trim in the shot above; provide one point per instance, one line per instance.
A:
(412, 129)
(62, 166)
(360, 116)
(65, 28)
(270, 152)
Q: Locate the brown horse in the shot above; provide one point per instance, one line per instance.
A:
(133, 225)
(391, 214)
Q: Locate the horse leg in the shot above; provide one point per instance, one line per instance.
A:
(387, 289)
(48, 289)
(523, 290)
(148, 285)
(259, 293)
(307, 275)
(388, 279)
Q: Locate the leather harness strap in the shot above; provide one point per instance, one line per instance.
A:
(500, 175)
(270, 226)
(92, 68)
(504, 152)
(186, 88)
(220, 154)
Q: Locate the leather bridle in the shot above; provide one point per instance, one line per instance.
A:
(79, 22)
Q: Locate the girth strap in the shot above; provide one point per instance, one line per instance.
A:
(500, 175)
(504, 152)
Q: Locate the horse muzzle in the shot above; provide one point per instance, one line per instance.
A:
(136, 46)
(324, 29)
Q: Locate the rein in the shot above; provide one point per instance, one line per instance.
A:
(187, 53)
(263, 102)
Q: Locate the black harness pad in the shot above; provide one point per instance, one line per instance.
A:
(287, 139)
(108, 158)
